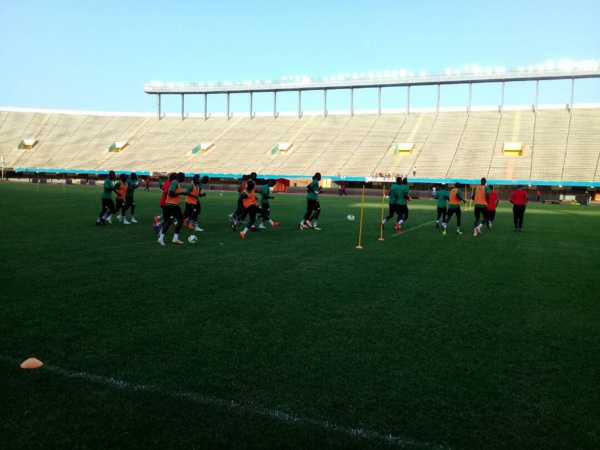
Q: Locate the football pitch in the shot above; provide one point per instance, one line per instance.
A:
(296, 339)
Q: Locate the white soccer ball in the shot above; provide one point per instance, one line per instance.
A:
(350, 217)
(192, 239)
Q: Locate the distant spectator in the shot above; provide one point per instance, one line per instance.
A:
(538, 193)
(147, 187)
(340, 190)
(343, 191)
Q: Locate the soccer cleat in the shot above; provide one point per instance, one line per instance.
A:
(262, 227)
(176, 241)
(275, 224)
(120, 218)
(475, 233)
(242, 235)
(197, 228)
(185, 223)
(316, 228)
(191, 227)
(133, 220)
(125, 222)
(301, 228)
(444, 232)
(458, 232)
(398, 227)
(160, 241)
(233, 226)
(479, 230)
(156, 219)
(109, 221)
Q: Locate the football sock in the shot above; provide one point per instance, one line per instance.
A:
(245, 230)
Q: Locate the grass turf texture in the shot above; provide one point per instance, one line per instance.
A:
(455, 341)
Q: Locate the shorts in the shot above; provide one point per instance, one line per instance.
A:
(172, 212)
(312, 205)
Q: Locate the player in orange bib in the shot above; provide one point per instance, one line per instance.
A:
(481, 196)
(173, 210)
(251, 208)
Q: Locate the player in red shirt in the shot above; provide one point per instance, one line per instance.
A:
(491, 206)
(519, 200)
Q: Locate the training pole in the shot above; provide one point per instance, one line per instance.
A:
(382, 208)
(362, 208)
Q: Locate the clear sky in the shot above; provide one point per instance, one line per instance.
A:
(97, 55)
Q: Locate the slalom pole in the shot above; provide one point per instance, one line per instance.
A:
(362, 208)
(382, 208)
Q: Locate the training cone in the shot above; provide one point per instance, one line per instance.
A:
(31, 363)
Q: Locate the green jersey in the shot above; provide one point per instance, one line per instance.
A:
(403, 191)
(109, 187)
(442, 198)
(394, 194)
(160, 183)
(313, 190)
(131, 185)
(264, 194)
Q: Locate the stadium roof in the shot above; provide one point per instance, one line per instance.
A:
(497, 75)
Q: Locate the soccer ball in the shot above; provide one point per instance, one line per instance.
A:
(192, 239)
(350, 217)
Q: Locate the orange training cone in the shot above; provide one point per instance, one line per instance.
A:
(31, 363)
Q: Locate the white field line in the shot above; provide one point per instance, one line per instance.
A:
(411, 229)
(248, 409)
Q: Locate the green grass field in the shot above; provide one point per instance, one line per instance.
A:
(295, 339)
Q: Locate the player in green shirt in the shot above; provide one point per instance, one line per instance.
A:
(313, 207)
(132, 185)
(108, 206)
(393, 204)
(265, 195)
(402, 202)
(442, 195)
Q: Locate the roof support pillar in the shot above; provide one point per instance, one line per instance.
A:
(158, 106)
(228, 106)
(502, 100)
(572, 94)
(274, 104)
(324, 102)
(437, 105)
(205, 106)
(537, 95)
(470, 97)
(182, 106)
(299, 104)
(407, 100)
(379, 101)
(351, 102)
(251, 106)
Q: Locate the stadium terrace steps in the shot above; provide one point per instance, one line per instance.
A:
(557, 145)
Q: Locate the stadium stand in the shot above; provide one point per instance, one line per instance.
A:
(558, 145)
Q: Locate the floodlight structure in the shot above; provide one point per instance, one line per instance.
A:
(471, 74)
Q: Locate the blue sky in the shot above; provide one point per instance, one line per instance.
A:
(98, 55)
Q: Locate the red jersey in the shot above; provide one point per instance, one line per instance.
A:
(165, 189)
(519, 197)
(492, 201)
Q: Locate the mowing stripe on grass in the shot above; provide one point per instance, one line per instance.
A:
(288, 418)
